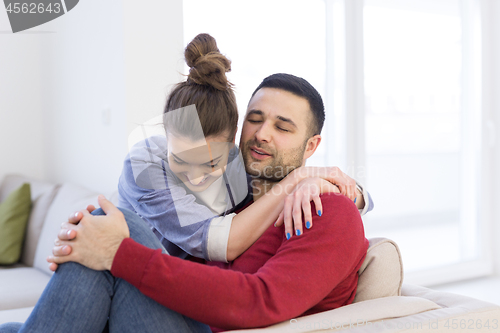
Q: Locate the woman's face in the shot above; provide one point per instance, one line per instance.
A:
(198, 163)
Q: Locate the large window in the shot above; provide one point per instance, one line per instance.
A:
(261, 38)
(401, 83)
(421, 137)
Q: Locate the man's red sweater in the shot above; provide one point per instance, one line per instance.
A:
(274, 280)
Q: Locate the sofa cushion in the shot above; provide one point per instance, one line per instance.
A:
(15, 315)
(69, 198)
(21, 287)
(16, 265)
(471, 314)
(418, 310)
(381, 274)
(14, 214)
(352, 317)
(42, 194)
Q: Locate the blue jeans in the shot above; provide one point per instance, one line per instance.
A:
(78, 299)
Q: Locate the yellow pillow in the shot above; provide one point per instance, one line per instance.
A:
(14, 214)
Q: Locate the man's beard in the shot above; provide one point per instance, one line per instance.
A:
(279, 165)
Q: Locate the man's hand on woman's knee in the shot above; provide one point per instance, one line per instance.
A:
(66, 234)
(90, 240)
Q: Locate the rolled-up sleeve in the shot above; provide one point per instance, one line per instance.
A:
(367, 198)
(218, 237)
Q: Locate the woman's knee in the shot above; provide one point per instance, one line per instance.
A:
(133, 220)
(98, 211)
(139, 229)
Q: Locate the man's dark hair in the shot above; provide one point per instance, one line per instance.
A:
(299, 87)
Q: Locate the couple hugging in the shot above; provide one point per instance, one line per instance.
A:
(209, 237)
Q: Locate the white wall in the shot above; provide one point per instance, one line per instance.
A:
(494, 43)
(154, 56)
(83, 77)
(21, 120)
(112, 55)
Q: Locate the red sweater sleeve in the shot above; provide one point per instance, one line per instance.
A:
(304, 270)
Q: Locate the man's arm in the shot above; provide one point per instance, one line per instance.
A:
(301, 274)
(253, 221)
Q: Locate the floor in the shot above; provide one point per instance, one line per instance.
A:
(486, 289)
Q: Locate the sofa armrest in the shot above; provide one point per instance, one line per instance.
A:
(381, 273)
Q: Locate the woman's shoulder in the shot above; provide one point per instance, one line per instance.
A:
(146, 164)
(151, 148)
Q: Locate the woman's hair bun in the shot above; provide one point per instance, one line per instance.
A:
(207, 65)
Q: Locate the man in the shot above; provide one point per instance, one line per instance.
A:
(274, 280)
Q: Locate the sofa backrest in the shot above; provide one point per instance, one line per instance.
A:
(69, 199)
(42, 194)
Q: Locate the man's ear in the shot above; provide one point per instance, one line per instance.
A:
(311, 145)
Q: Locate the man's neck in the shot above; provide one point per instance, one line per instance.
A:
(260, 187)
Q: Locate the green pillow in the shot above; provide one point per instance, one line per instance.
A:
(14, 214)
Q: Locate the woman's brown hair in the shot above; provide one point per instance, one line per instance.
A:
(208, 88)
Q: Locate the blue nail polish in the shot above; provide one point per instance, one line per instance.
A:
(355, 200)
(287, 235)
(308, 224)
(319, 213)
(298, 232)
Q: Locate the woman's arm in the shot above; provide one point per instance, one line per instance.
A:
(248, 225)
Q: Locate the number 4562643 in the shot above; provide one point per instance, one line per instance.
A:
(33, 8)
(471, 324)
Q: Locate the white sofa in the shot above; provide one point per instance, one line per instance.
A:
(22, 284)
(382, 302)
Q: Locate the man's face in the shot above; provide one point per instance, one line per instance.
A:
(274, 134)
